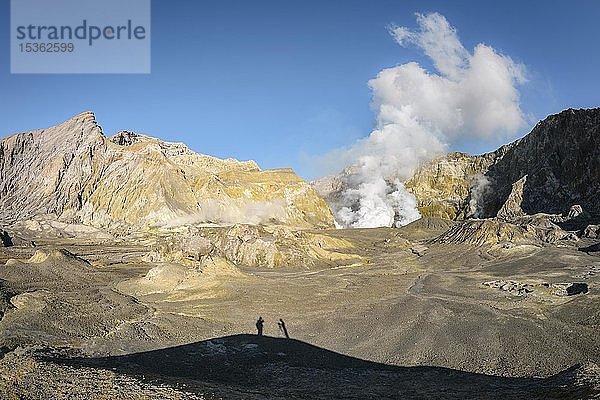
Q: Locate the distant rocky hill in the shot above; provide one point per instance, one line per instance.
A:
(554, 167)
(72, 174)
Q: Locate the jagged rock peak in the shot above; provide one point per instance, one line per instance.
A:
(511, 208)
(136, 141)
(86, 119)
(559, 157)
(126, 138)
(129, 138)
(86, 116)
(71, 172)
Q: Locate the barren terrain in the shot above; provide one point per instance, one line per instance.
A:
(394, 313)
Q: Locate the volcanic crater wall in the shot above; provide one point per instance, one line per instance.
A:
(559, 159)
(73, 173)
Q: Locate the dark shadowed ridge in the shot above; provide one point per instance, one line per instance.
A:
(248, 366)
(560, 159)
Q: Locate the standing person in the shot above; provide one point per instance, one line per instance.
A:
(282, 328)
(259, 326)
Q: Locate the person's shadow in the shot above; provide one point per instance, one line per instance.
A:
(289, 368)
(283, 328)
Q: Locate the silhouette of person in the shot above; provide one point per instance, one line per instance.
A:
(282, 328)
(259, 325)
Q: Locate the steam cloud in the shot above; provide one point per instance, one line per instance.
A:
(418, 114)
(230, 213)
(479, 186)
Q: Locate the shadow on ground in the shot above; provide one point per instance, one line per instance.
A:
(591, 249)
(267, 367)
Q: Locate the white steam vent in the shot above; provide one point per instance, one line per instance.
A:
(418, 114)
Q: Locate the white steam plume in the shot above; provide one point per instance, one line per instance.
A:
(229, 213)
(418, 114)
(479, 186)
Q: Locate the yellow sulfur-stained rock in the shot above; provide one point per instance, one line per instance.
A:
(76, 175)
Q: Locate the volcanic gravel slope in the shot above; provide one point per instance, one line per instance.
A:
(416, 318)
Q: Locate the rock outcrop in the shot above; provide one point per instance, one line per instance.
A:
(548, 171)
(443, 186)
(512, 207)
(559, 158)
(255, 246)
(538, 289)
(76, 175)
(493, 231)
(5, 239)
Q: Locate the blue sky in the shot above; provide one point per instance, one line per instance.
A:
(279, 81)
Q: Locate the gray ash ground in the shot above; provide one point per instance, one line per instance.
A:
(415, 321)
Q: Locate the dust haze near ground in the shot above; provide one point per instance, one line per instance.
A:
(421, 311)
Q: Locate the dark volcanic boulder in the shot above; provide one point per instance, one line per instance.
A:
(5, 239)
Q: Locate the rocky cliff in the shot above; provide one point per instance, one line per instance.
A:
(549, 170)
(73, 174)
(445, 186)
